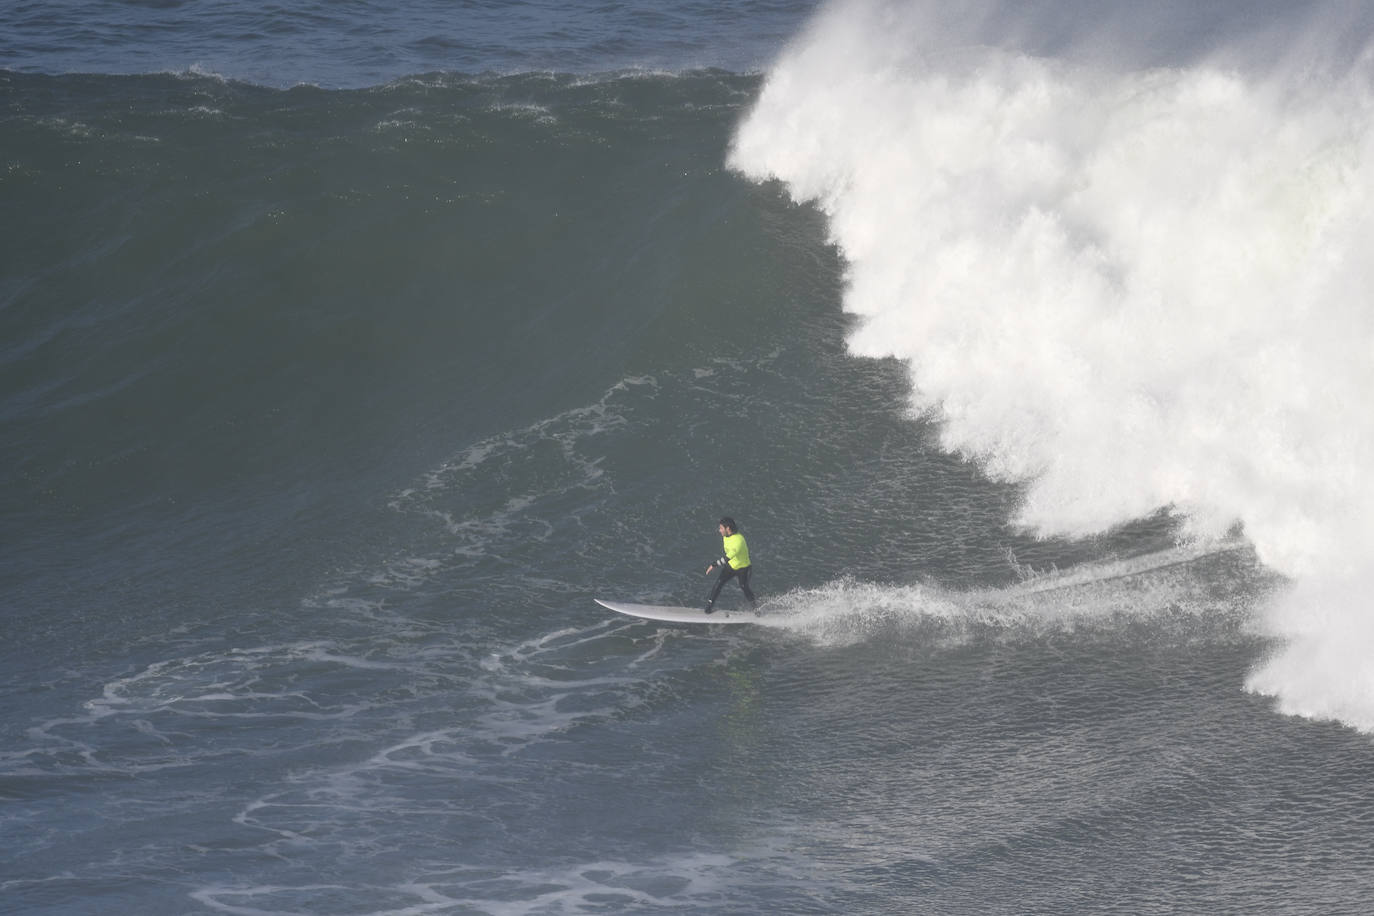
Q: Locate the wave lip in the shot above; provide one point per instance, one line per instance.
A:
(1129, 286)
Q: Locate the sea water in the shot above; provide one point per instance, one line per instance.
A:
(348, 351)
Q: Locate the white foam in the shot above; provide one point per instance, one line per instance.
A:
(1132, 288)
(691, 879)
(1172, 586)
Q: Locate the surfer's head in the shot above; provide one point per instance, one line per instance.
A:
(728, 524)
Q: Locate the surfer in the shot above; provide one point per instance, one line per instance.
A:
(733, 563)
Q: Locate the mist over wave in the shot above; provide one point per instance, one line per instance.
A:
(1126, 262)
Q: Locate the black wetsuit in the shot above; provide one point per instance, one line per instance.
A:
(726, 574)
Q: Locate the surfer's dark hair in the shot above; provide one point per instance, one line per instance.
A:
(729, 522)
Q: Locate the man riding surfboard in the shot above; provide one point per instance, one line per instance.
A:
(733, 563)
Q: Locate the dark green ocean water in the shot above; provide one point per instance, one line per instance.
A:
(327, 412)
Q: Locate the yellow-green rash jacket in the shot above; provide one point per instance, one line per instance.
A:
(736, 552)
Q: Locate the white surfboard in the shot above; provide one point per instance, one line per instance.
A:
(679, 614)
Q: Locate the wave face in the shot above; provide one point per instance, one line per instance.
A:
(1128, 269)
(326, 413)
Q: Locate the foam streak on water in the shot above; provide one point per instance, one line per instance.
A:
(1134, 286)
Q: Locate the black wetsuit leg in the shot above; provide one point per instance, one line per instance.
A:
(744, 584)
(726, 574)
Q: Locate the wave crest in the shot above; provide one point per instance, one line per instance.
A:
(1132, 287)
